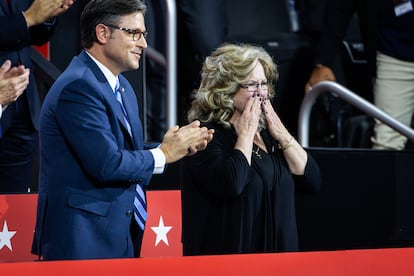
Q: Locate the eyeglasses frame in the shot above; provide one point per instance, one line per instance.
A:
(132, 32)
(263, 84)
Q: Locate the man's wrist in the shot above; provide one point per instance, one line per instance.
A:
(159, 160)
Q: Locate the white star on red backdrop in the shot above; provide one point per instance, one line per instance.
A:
(161, 231)
(5, 237)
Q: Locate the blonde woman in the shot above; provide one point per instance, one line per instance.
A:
(239, 194)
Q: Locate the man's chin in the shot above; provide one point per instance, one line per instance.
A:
(133, 67)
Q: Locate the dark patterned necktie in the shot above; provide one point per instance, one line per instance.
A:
(140, 211)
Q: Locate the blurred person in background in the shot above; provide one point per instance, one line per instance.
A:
(387, 30)
(23, 23)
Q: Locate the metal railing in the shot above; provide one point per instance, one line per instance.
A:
(44, 71)
(171, 31)
(351, 98)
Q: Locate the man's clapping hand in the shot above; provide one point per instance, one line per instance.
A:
(187, 140)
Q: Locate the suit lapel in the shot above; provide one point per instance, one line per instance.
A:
(129, 101)
(131, 106)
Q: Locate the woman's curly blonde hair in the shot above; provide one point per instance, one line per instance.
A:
(222, 73)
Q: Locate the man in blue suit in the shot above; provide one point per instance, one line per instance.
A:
(93, 158)
(23, 23)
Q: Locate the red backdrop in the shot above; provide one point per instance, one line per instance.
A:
(162, 235)
(44, 50)
(162, 250)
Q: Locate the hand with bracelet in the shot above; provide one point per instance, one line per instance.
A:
(295, 155)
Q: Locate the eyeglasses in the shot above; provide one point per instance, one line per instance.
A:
(254, 86)
(136, 35)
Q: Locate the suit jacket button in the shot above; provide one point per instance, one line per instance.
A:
(129, 213)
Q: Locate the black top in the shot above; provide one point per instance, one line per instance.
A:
(231, 207)
(395, 33)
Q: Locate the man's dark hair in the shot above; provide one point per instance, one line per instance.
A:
(107, 12)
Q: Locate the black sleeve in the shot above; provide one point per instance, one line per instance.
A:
(219, 170)
(311, 180)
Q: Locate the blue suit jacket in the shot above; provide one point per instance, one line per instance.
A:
(89, 167)
(15, 42)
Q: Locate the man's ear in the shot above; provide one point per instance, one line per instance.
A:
(102, 33)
